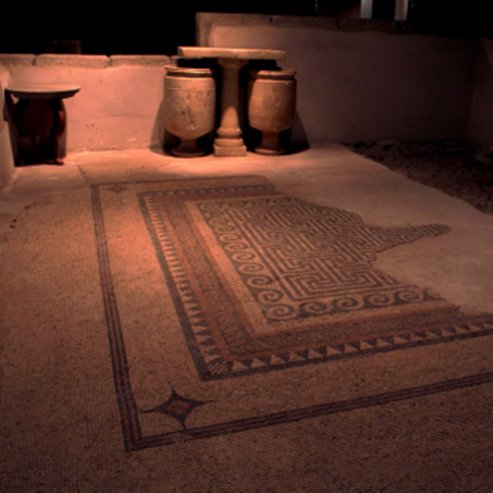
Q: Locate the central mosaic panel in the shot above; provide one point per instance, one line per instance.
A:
(262, 281)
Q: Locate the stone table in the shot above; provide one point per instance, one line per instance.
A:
(37, 120)
(229, 140)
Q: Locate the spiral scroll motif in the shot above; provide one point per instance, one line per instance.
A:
(301, 260)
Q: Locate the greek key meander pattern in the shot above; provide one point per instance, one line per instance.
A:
(306, 269)
(301, 260)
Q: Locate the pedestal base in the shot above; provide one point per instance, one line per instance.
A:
(222, 151)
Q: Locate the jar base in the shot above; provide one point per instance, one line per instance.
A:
(266, 151)
(188, 148)
(270, 145)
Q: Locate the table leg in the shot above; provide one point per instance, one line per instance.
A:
(229, 141)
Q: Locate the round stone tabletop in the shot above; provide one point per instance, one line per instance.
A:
(43, 91)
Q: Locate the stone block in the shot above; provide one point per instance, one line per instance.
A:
(81, 61)
(142, 60)
(10, 59)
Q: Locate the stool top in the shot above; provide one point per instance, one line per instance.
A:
(43, 91)
(234, 53)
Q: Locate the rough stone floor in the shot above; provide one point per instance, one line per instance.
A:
(446, 165)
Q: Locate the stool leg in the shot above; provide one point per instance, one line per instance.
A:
(9, 110)
(58, 129)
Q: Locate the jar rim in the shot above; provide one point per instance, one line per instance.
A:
(188, 71)
(273, 74)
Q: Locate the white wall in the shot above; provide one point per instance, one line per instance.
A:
(6, 161)
(361, 84)
(119, 105)
(480, 131)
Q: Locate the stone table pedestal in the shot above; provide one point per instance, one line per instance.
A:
(229, 139)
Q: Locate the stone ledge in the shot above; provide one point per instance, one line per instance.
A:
(345, 24)
(82, 61)
(143, 60)
(19, 59)
(206, 21)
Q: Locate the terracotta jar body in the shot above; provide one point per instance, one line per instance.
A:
(189, 107)
(271, 106)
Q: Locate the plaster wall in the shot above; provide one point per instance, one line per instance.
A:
(119, 105)
(359, 83)
(480, 131)
(6, 161)
(357, 80)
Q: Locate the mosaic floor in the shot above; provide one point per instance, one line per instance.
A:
(259, 282)
(312, 323)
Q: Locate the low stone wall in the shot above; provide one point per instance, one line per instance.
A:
(6, 162)
(480, 131)
(361, 80)
(120, 102)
